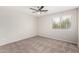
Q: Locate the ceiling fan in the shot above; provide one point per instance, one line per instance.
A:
(39, 9)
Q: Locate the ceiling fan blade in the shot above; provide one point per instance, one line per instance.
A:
(44, 10)
(41, 7)
(33, 9)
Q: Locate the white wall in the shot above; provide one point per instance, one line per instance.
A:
(15, 25)
(78, 27)
(69, 35)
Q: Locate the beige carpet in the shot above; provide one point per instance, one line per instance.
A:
(39, 45)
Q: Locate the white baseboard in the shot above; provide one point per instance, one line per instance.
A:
(58, 39)
(15, 40)
(4, 43)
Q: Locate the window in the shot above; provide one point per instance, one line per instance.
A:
(62, 22)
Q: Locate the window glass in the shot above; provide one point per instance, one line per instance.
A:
(62, 22)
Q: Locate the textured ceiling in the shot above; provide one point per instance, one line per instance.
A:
(51, 9)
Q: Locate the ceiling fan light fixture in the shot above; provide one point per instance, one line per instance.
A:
(38, 12)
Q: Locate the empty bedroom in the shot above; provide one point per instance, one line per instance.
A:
(39, 29)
